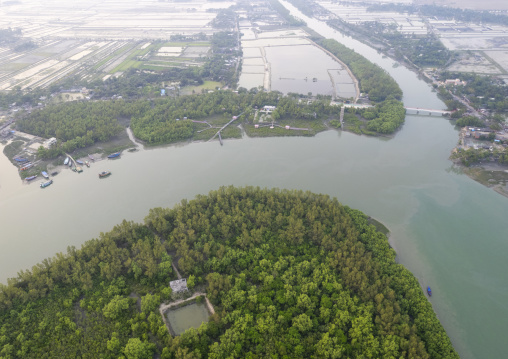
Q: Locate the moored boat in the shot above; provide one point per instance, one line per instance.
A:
(54, 173)
(114, 155)
(79, 162)
(91, 157)
(429, 291)
(20, 159)
(70, 163)
(104, 174)
(46, 184)
(30, 165)
(28, 179)
(66, 161)
(44, 174)
(79, 169)
(87, 164)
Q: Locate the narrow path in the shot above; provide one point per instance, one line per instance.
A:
(176, 270)
(133, 138)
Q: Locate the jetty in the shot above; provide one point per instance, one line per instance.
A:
(223, 127)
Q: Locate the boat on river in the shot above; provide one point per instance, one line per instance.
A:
(66, 162)
(104, 174)
(20, 159)
(79, 169)
(28, 179)
(70, 163)
(46, 184)
(79, 162)
(87, 164)
(44, 174)
(30, 165)
(114, 155)
(429, 291)
(91, 157)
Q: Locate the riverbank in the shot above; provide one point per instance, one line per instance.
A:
(490, 175)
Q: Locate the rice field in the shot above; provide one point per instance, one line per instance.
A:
(100, 38)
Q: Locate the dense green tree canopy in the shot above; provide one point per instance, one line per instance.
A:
(373, 79)
(291, 275)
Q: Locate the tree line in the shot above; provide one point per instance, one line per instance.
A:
(374, 81)
(290, 273)
(389, 113)
(77, 124)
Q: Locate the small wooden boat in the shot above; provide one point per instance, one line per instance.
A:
(429, 291)
(46, 184)
(30, 165)
(66, 161)
(79, 162)
(70, 163)
(91, 157)
(20, 159)
(104, 174)
(44, 174)
(114, 155)
(87, 164)
(79, 169)
(28, 179)
(54, 173)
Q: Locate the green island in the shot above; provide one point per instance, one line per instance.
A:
(290, 274)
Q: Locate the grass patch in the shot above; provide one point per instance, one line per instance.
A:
(207, 85)
(487, 178)
(13, 148)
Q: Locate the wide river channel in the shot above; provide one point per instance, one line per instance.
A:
(447, 229)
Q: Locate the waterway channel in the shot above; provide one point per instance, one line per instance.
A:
(447, 229)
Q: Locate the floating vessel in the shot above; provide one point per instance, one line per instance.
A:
(66, 162)
(79, 169)
(20, 159)
(70, 163)
(87, 164)
(54, 173)
(91, 157)
(44, 174)
(104, 174)
(114, 155)
(46, 184)
(28, 179)
(429, 291)
(132, 149)
(79, 162)
(30, 165)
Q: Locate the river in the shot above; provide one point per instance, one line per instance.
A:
(447, 229)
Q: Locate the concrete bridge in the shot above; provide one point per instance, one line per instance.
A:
(428, 111)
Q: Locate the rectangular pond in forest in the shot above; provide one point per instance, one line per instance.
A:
(189, 316)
